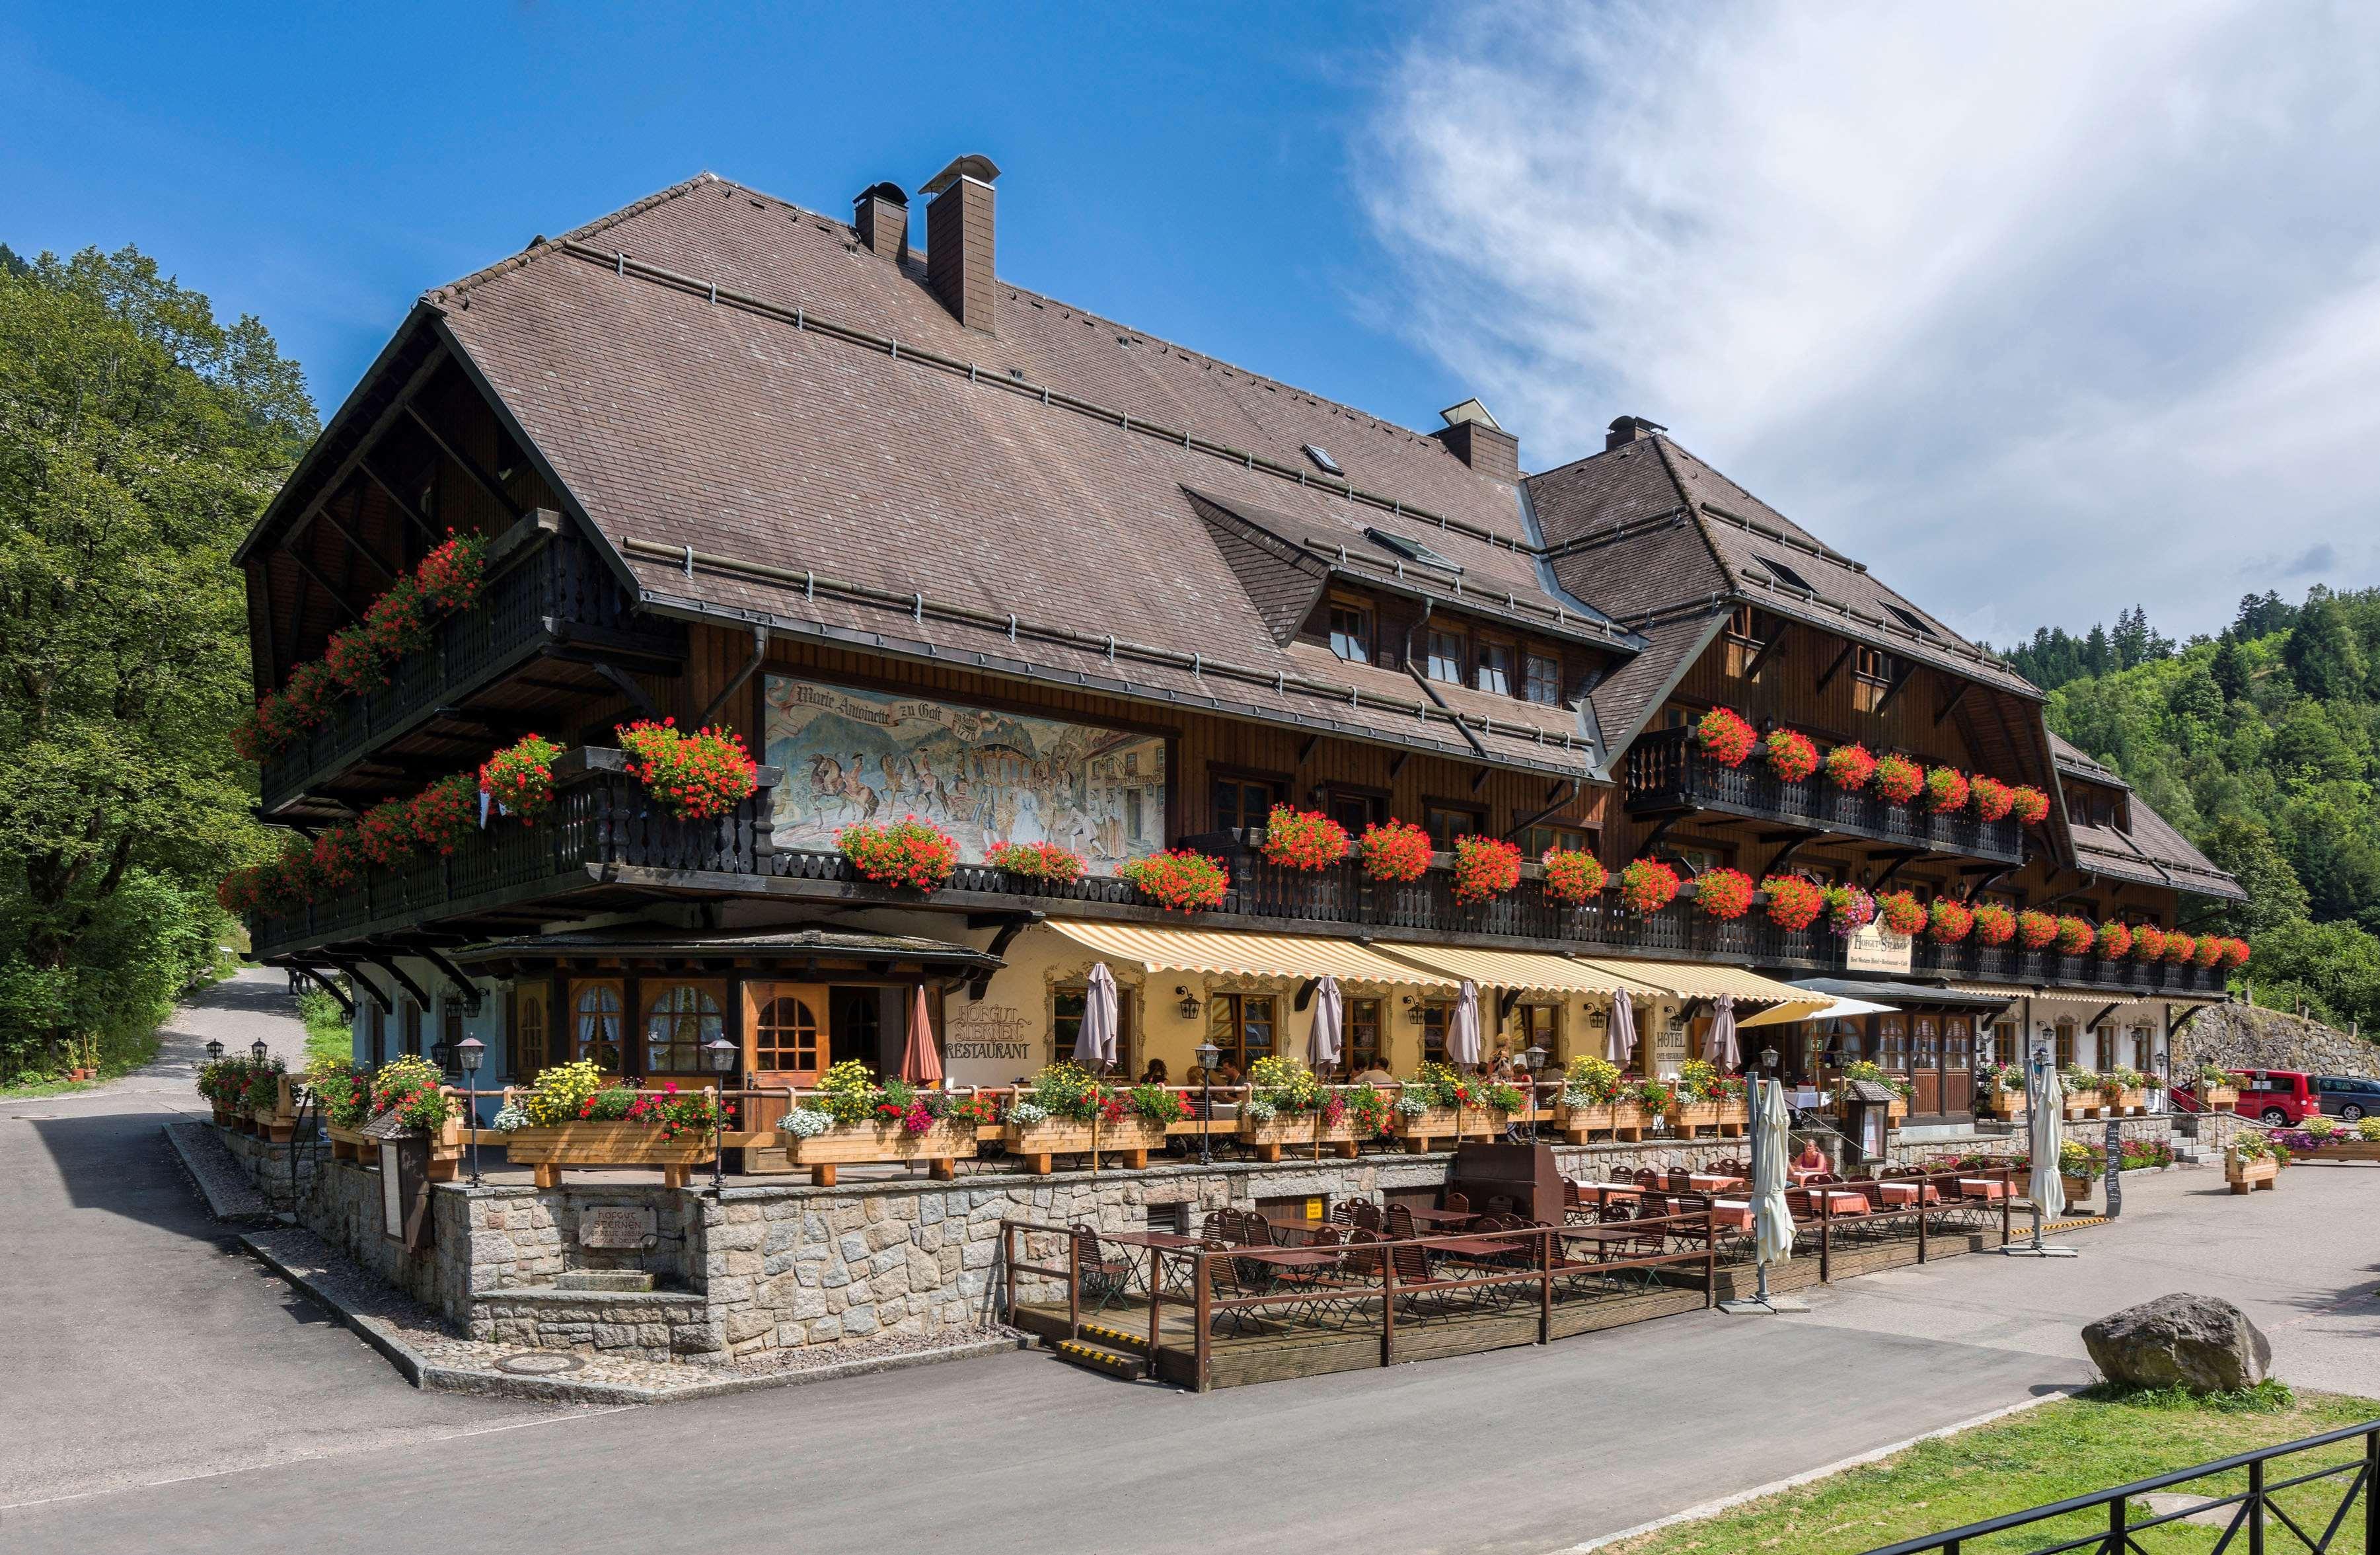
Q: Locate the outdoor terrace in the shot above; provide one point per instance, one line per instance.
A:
(1668, 774)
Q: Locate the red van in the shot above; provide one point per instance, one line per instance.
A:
(2279, 1097)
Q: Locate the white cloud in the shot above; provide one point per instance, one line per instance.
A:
(2041, 309)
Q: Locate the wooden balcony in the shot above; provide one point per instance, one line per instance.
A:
(546, 594)
(2007, 965)
(1668, 774)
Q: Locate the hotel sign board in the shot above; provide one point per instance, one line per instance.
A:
(1874, 948)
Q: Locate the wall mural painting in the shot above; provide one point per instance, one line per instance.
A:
(985, 778)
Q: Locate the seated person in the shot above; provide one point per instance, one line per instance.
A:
(1375, 1073)
(1155, 1073)
(1812, 1159)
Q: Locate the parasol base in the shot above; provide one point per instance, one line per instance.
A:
(1756, 1308)
(2043, 1251)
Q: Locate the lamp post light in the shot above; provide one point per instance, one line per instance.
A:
(471, 1052)
(1208, 1055)
(1533, 1058)
(721, 1055)
(214, 1052)
(257, 1051)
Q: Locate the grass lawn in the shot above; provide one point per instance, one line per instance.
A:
(2070, 1448)
(328, 1037)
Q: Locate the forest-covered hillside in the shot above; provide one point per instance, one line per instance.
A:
(2263, 745)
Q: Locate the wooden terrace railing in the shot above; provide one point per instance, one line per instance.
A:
(2005, 964)
(1667, 772)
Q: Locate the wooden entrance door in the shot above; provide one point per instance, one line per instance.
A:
(1958, 1064)
(1926, 1062)
(785, 1043)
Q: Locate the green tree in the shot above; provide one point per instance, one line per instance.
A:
(2323, 654)
(2276, 896)
(139, 440)
(2228, 669)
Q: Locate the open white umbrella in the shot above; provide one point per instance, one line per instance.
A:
(1623, 1028)
(1094, 1044)
(2047, 1100)
(1722, 1034)
(1322, 1044)
(1462, 1030)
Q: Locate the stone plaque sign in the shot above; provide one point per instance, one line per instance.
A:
(1874, 948)
(617, 1225)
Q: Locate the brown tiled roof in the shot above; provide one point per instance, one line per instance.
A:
(825, 416)
(1602, 514)
(2153, 852)
(2072, 759)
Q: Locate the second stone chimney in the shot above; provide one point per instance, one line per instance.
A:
(880, 216)
(1629, 428)
(1475, 439)
(958, 239)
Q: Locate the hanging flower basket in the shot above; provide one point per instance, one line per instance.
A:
(1647, 885)
(447, 579)
(1395, 852)
(696, 776)
(2035, 930)
(1179, 881)
(2148, 943)
(1948, 922)
(442, 815)
(337, 861)
(1994, 925)
(1793, 903)
(1725, 737)
(1790, 753)
(1485, 869)
(1039, 861)
(1849, 909)
(2210, 951)
(2074, 935)
(2030, 806)
(1898, 779)
(906, 853)
(1850, 767)
(519, 778)
(1901, 912)
(2180, 947)
(1573, 875)
(1308, 840)
(2115, 941)
(1946, 790)
(1992, 799)
(2235, 953)
(385, 833)
(1723, 894)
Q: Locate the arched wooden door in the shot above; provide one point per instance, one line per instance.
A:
(785, 1043)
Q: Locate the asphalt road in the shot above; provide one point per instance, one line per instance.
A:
(234, 1420)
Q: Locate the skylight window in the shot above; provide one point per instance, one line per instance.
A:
(1786, 575)
(1321, 457)
(1910, 620)
(1411, 550)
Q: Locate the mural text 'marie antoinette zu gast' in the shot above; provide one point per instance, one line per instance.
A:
(987, 778)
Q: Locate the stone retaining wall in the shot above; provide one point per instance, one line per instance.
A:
(2244, 1037)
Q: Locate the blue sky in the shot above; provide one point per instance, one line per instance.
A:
(2039, 309)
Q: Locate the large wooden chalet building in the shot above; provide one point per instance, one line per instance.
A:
(938, 545)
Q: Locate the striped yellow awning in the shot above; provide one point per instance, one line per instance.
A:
(1694, 979)
(1232, 952)
(1531, 971)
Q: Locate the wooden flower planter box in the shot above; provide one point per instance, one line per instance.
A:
(1297, 1131)
(549, 1150)
(2246, 1176)
(2078, 1190)
(2085, 1104)
(348, 1143)
(2006, 1105)
(948, 1142)
(2219, 1098)
(1131, 1136)
(1452, 1124)
(1694, 1120)
(1619, 1120)
(2341, 1151)
(2128, 1103)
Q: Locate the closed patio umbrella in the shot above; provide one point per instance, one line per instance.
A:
(1772, 1223)
(2047, 1100)
(1094, 1044)
(1462, 1031)
(921, 1064)
(1623, 1028)
(1322, 1046)
(1722, 1034)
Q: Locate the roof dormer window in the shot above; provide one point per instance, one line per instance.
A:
(1410, 550)
(1322, 459)
(1910, 619)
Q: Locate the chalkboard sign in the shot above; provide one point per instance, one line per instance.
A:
(2115, 1169)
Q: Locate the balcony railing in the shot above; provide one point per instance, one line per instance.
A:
(600, 816)
(1667, 773)
(546, 591)
(2007, 965)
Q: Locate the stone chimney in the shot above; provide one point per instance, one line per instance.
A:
(880, 216)
(1629, 428)
(1475, 439)
(958, 239)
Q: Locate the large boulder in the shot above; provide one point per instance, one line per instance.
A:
(2199, 1342)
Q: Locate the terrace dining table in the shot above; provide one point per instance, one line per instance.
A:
(1843, 1201)
(1710, 1181)
(1611, 1193)
(1731, 1214)
(1904, 1193)
(1983, 1187)
(1449, 1218)
(1150, 1244)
